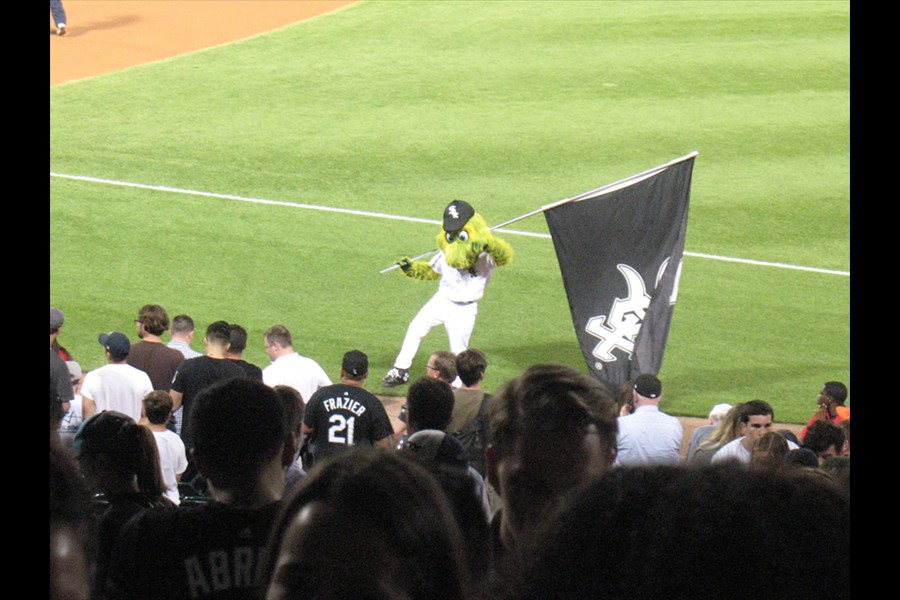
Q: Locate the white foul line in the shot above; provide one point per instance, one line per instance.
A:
(363, 213)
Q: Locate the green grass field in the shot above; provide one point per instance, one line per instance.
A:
(399, 107)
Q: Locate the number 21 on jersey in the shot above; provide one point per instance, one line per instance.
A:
(341, 429)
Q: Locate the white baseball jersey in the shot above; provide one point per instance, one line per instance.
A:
(465, 285)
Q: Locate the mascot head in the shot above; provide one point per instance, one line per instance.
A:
(465, 234)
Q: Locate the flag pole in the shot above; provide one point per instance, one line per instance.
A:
(604, 189)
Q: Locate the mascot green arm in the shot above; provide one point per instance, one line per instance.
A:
(418, 269)
(499, 250)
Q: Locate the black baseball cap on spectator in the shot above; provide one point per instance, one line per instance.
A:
(116, 343)
(648, 386)
(355, 363)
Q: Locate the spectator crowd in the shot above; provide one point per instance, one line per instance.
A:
(183, 474)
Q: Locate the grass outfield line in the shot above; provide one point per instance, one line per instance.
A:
(394, 108)
(348, 211)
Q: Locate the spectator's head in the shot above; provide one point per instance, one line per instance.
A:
(158, 407)
(768, 451)
(825, 439)
(56, 320)
(833, 391)
(116, 345)
(550, 430)
(278, 341)
(718, 412)
(789, 436)
(429, 404)
(839, 468)
(119, 456)
(238, 430)
(845, 427)
(218, 333)
(625, 398)
(756, 419)
(656, 533)
(182, 328)
(355, 366)
(726, 430)
(389, 528)
(72, 545)
(237, 340)
(442, 365)
(647, 390)
(470, 366)
(801, 457)
(152, 319)
(294, 408)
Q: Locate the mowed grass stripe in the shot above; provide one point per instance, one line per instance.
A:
(363, 213)
(395, 108)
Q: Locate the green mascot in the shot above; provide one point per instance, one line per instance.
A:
(468, 253)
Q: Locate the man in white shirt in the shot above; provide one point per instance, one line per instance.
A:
(116, 385)
(648, 436)
(756, 419)
(289, 368)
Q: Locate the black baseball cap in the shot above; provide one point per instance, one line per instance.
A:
(648, 386)
(355, 363)
(117, 343)
(457, 214)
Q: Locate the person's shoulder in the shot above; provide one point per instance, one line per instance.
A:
(195, 363)
(673, 420)
(326, 391)
(361, 392)
(174, 354)
(729, 448)
(308, 361)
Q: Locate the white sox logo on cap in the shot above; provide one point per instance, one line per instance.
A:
(457, 214)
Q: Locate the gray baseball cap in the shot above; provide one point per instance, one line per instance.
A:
(56, 318)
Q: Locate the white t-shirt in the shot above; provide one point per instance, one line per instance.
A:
(734, 450)
(301, 373)
(117, 386)
(467, 285)
(172, 461)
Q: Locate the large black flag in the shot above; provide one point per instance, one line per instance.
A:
(619, 250)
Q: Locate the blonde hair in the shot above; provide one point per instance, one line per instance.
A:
(728, 429)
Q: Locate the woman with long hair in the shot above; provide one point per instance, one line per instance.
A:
(120, 463)
(728, 429)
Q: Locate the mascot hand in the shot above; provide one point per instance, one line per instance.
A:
(499, 249)
(405, 264)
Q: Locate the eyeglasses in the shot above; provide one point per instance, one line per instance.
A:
(432, 368)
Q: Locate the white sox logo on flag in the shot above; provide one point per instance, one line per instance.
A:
(453, 212)
(621, 326)
(619, 329)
